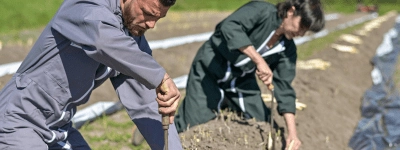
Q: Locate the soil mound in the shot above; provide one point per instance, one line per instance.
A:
(228, 131)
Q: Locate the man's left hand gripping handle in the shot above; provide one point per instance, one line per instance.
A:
(168, 97)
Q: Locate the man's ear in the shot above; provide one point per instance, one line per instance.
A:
(290, 12)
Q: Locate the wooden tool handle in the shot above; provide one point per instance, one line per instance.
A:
(165, 124)
(273, 135)
(165, 117)
(271, 87)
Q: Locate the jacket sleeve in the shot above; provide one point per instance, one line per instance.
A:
(99, 32)
(284, 72)
(235, 27)
(136, 98)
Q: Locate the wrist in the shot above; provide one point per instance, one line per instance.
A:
(290, 123)
(165, 79)
(259, 61)
(292, 131)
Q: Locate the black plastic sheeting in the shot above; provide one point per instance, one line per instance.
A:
(379, 127)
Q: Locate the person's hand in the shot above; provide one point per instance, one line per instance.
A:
(292, 142)
(168, 97)
(264, 73)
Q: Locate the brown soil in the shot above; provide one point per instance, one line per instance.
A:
(333, 99)
(333, 96)
(228, 131)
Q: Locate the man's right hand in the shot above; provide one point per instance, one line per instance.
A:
(264, 73)
(168, 97)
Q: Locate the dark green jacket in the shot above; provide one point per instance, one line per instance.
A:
(251, 24)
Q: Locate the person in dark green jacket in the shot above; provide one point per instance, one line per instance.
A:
(255, 39)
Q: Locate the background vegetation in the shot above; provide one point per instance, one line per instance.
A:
(21, 14)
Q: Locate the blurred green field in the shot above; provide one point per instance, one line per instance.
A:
(21, 14)
(111, 133)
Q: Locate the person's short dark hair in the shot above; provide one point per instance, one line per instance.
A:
(167, 2)
(312, 16)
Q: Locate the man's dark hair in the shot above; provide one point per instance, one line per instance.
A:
(312, 16)
(167, 2)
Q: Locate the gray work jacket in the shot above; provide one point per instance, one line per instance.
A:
(83, 45)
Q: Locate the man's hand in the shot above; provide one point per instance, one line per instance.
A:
(168, 97)
(264, 73)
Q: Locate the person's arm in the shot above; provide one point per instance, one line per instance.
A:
(234, 30)
(285, 96)
(292, 132)
(96, 30)
(263, 72)
(284, 73)
(136, 96)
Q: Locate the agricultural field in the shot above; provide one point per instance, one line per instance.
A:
(332, 95)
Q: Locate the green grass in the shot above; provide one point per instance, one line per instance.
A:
(111, 133)
(384, 8)
(21, 14)
(196, 5)
(17, 15)
(346, 6)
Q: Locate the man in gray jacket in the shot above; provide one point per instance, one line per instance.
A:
(87, 42)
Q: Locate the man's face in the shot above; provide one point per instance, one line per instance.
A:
(291, 25)
(140, 15)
